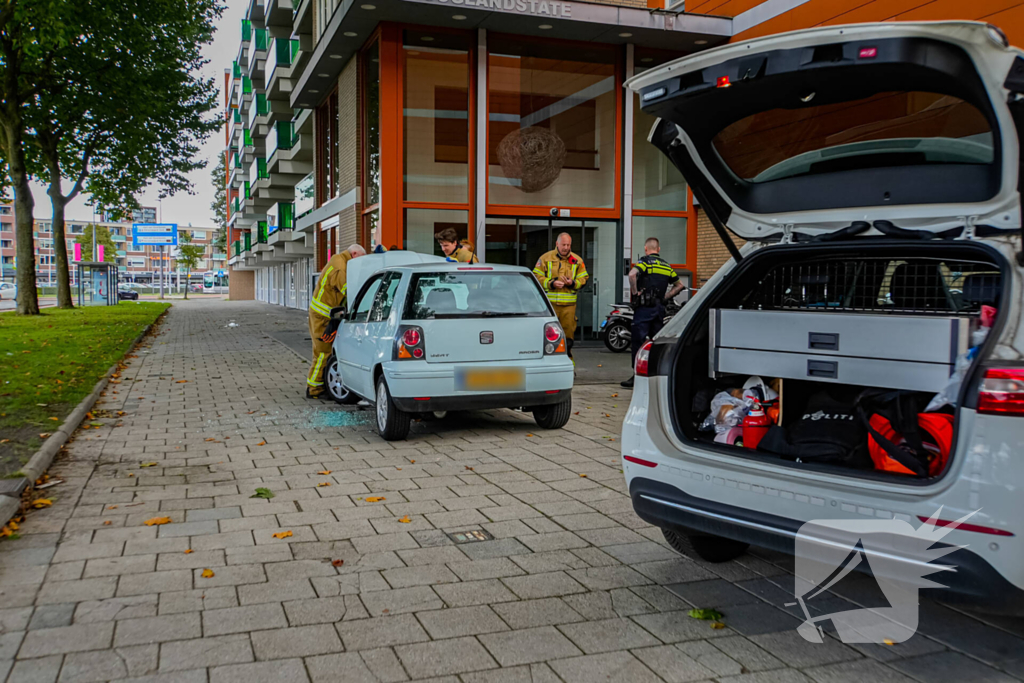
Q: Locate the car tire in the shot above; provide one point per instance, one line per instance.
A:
(553, 416)
(614, 339)
(706, 547)
(392, 423)
(335, 389)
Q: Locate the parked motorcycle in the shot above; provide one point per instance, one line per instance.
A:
(616, 329)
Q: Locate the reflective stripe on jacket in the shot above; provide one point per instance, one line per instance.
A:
(551, 266)
(332, 287)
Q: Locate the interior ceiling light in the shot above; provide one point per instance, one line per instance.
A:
(350, 34)
(647, 59)
(324, 75)
(458, 17)
(625, 35)
(314, 91)
(700, 42)
(368, 6)
(336, 56)
(427, 39)
(544, 27)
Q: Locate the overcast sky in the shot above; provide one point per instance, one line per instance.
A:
(181, 208)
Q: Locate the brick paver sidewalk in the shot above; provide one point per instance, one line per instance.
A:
(573, 587)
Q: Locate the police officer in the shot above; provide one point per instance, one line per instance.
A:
(562, 274)
(331, 291)
(449, 241)
(649, 280)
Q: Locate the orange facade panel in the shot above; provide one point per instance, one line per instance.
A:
(1006, 14)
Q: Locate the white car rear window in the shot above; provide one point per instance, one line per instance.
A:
(474, 295)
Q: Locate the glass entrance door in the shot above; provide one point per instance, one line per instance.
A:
(522, 241)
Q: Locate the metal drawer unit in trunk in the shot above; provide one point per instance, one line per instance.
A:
(890, 351)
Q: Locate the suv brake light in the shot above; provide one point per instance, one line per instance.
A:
(1002, 392)
(554, 340)
(643, 356)
(410, 343)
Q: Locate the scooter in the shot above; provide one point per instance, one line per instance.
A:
(616, 329)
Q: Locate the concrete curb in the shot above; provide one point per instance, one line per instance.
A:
(43, 458)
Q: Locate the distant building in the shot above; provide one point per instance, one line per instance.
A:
(7, 242)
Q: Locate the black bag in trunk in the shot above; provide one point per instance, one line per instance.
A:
(829, 431)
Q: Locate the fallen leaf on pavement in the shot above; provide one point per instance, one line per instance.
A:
(131, 474)
(889, 641)
(375, 499)
(107, 523)
(337, 563)
(468, 467)
(324, 472)
(112, 507)
(157, 521)
(706, 614)
(615, 395)
(55, 419)
(717, 624)
(262, 443)
(181, 381)
(263, 493)
(283, 534)
(189, 551)
(583, 475)
(324, 483)
(412, 462)
(42, 503)
(207, 574)
(148, 464)
(529, 434)
(44, 435)
(405, 520)
(96, 424)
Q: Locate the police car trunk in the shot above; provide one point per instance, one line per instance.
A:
(870, 174)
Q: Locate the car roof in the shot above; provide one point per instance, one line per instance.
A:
(449, 267)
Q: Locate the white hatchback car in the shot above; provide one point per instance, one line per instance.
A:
(432, 337)
(8, 291)
(874, 172)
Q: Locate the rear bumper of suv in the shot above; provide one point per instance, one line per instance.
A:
(975, 582)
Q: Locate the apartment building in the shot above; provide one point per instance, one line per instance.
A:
(7, 243)
(140, 265)
(384, 121)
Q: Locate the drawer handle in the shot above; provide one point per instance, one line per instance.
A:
(823, 369)
(823, 341)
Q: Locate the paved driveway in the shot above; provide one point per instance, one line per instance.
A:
(349, 573)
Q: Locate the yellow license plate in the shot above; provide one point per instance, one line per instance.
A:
(492, 379)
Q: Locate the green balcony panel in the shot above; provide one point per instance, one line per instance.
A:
(236, 205)
(285, 51)
(248, 240)
(261, 232)
(261, 39)
(286, 216)
(262, 107)
(261, 170)
(237, 161)
(236, 69)
(246, 30)
(246, 189)
(246, 138)
(246, 85)
(284, 135)
(236, 115)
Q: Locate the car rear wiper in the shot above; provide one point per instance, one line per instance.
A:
(500, 314)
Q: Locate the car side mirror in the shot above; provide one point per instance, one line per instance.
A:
(338, 312)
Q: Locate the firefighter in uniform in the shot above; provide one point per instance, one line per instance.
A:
(448, 239)
(331, 291)
(649, 287)
(562, 274)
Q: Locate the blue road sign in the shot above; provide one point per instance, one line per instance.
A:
(154, 234)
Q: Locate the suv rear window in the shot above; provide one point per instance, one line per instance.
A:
(885, 129)
(474, 295)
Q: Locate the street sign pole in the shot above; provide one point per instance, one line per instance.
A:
(161, 272)
(160, 236)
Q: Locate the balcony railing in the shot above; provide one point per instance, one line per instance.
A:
(261, 232)
(236, 205)
(258, 108)
(246, 30)
(246, 138)
(281, 136)
(247, 236)
(247, 189)
(304, 195)
(246, 85)
(236, 69)
(261, 169)
(236, 115)
(236, 160)
(261, 39)
(286, 215)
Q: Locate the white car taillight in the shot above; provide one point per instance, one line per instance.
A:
(554, 339)
(410, 343)
(643, 356)
(1002, 392)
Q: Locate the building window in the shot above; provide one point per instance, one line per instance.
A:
(371, 125)
(421, 224)
(199, 234)
(660, 199)
(5, 211)
(552, 123)
(6, 244)
(435, 114)
(327, 161)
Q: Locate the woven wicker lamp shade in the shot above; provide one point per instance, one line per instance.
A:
(533, 155)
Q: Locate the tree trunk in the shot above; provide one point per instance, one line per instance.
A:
(28, 299)
(60, 246)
